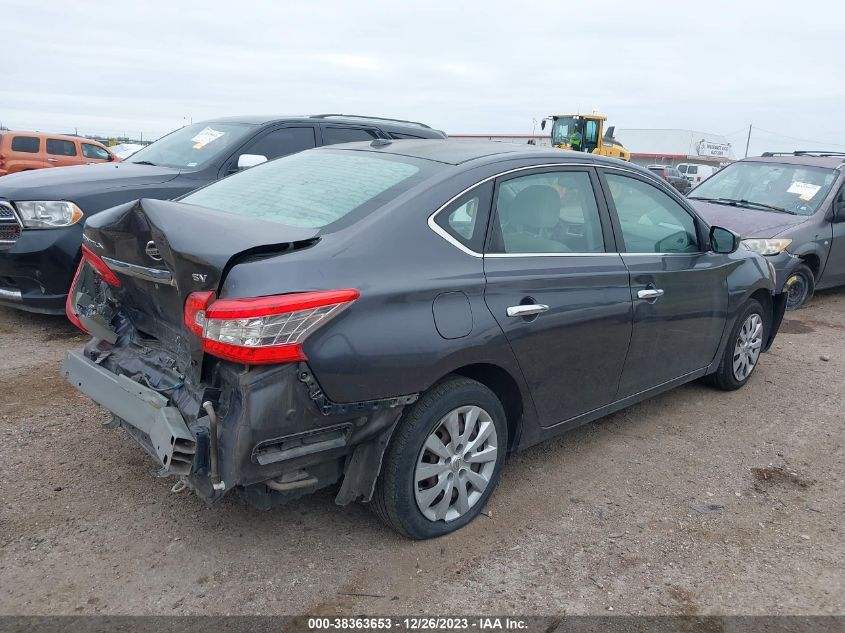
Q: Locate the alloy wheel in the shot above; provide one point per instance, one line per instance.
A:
(749, 342)
(456, 464)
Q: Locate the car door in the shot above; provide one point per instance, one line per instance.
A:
(834, 270)
(61, 152)
(275, 143)
(558, 289)
(678, 288)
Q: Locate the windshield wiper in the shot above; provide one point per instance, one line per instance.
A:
(748, 204)
(142, 162)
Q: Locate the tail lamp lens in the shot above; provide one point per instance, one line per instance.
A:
(100, 267)
(262, 330)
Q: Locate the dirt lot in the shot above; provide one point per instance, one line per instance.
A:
(694, 502)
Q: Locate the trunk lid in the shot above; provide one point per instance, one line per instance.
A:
(162, 251)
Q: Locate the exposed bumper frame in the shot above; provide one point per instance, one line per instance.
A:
(170, 440)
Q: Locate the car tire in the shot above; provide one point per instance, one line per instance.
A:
(802, 283)
(417, 507)
(743, 345)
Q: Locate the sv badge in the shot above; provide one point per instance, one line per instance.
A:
(198, 277)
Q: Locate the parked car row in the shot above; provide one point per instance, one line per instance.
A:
(396, 315)
(25, 151)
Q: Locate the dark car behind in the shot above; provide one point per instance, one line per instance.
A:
(788, 207)
(40, 211)
(397, 317)
(672, 176)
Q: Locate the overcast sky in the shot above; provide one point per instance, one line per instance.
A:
(113, 67)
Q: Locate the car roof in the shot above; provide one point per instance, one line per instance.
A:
(813, 159)
(455, 152)
(386, 124)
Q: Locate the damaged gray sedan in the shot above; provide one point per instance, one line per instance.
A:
(397, 317)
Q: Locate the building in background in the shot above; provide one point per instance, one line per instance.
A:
(671, 147)
(647, 147)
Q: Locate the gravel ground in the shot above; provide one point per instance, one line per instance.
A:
(695, 502)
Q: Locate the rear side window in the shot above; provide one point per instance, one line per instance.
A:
(465, 220)
(28, 144)
(333, 135)
(92, 151)
(313, 189)
(400, 135)
(692, 170)
(59, 147)
(283, 142)
(553, 212)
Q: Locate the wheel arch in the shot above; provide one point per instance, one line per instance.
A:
(507, 390)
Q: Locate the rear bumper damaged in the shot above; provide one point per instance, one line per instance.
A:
(278, 436)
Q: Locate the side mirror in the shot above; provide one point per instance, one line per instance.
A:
(245, 161)
(543, 124)
(723, 241)
(610, 131)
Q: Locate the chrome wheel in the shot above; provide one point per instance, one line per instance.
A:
(456, 464)
(749, 342)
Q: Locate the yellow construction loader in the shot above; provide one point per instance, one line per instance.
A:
(585, 133)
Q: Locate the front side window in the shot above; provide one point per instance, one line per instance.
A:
(194, 145)
(313, 189)
(552, 212)
(28, 144)
(334, 135)
(784, 187)
(59, 147)
(651, 222)
(92, 151)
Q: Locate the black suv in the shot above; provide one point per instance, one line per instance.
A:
(41, 211)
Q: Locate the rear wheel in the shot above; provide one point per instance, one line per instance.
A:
(799, 287)
(743, 349)
(443, 461)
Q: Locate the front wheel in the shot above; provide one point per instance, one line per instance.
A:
(799, 287)
(443, 461)
(743, 349)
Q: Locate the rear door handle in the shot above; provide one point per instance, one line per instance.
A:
(524, 310)
(649, 293)
(52, 160)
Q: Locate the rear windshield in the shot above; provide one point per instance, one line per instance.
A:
(314, 189)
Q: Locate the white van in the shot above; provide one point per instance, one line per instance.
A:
(696, 173)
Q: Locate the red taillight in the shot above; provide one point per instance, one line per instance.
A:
(262, 330)
(698, 179)
(100, 267)
(69, 311)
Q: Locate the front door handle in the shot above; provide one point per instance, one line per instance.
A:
(52, 160)
(525, 310)
(649, 293)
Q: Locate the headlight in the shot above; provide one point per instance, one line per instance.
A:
(48, 215)
(766, 247)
